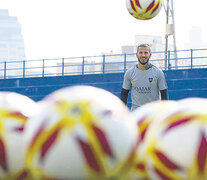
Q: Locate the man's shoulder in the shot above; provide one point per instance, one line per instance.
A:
(131, 68)
(156, 68)
(158, 71)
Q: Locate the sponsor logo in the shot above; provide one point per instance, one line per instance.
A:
(143, 90)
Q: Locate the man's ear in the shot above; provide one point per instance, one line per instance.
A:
(150, 54)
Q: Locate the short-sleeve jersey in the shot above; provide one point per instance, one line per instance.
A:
(145, 85)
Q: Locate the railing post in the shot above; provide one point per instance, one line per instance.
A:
(4, 69)
(103, 64)
(63, 66)
(191, 58)
(124, 62)
(83, 64)
(43, 68)
(168, 59)
(23, 73)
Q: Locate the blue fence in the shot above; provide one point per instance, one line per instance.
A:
(114, 63)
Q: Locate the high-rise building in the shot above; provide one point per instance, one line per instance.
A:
(12, 51)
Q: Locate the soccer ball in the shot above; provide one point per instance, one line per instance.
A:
(144, 118)
(82, 132)
(15, 110)
(144, 9)
(175, 145)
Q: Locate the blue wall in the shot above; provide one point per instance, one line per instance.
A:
(181, 83)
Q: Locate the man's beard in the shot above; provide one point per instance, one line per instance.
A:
(144, 62)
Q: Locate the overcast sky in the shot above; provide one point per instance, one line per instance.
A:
(70, 28)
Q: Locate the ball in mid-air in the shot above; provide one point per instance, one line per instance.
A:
(144, 9)
(82, 132)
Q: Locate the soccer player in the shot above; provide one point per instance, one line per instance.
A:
(146, 81)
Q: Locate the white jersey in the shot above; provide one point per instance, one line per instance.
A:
(145, 85)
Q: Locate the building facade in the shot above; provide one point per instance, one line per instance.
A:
(12, 51)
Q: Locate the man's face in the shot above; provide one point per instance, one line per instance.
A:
(143, 54)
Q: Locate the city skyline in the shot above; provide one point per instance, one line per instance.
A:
(53, 29)
(11, 39)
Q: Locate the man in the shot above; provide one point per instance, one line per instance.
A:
(146, 81)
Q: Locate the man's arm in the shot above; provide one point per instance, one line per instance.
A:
(124, 95)
(164, 94)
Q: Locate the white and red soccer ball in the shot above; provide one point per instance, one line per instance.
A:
(82, 132)
(15, 111)
(173, 143)
(143, 9)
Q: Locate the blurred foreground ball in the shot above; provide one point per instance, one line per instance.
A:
(15, 109)
(82, 132)
(144, 9)
(145, 117)
(175, 145)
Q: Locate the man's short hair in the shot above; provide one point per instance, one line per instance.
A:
(144, 45)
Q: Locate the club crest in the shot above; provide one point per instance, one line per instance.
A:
(150, 79)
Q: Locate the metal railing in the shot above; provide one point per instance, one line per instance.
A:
(113, 63)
